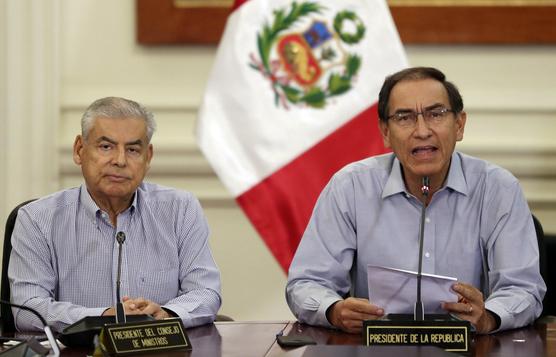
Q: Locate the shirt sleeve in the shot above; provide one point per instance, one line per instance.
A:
(515, 284)
(33, 281)
(199, 295)
(319, 274)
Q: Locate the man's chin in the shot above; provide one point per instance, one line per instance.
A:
(118, 192)
(430, 171)
(430, 167)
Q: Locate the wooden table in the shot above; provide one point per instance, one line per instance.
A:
(531, 341)
(247, 339)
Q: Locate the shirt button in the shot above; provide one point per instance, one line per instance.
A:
(427, 254)
(428, 220)
(407, 195)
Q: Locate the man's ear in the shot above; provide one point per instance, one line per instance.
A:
(77, 149)
(460, 125)
(150, 152)
(385, 132)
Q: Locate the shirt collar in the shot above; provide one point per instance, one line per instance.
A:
(92, 210)
(456, 178)
(455, 181)
(395, 182)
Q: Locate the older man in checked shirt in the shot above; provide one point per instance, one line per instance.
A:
(64, 258)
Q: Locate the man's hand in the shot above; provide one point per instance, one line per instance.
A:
(471, 307)
(140, 306)
(350, 313)
(148, 307)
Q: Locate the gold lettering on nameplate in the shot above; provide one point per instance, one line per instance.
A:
(146, 336)
(154, 342)
(449, 335)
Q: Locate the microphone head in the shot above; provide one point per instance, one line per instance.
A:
(425, 187)
(120, 237)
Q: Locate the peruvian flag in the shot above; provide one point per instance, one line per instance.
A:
(292, 98)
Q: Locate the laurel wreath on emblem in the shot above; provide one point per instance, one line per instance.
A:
(338, 82)
(339, 27)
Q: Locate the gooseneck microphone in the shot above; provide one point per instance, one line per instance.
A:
(419, 311)
(120, 313)
(47, 331)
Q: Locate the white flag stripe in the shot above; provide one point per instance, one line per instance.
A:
(245, 136)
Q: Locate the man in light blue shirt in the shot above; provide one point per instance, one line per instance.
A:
(478, 226)
(64, 257)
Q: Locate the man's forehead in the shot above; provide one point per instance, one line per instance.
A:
(418, 91)
(131, 127)
(128, 141)
(122, 122)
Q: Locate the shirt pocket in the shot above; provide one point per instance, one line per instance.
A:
(160, 286)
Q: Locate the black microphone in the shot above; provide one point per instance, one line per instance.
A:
(419, 311)
(120, 314)
(47, 331)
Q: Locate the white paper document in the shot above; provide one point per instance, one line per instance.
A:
(395, 290)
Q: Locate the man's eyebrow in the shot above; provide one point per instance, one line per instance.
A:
(114, 142)
(135, 142)
(404, 110)
(105, 138)
(408, 110)
(434, 106)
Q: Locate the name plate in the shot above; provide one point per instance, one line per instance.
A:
(148, 336)
(453, 336)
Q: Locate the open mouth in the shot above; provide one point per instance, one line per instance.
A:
(424, 151)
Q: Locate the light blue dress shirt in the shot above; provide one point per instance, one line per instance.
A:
(64, 258)
(478, 229)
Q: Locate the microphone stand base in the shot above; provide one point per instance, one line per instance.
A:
(440, 330)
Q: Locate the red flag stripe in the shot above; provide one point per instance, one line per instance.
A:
(280, 206)
(237, 4)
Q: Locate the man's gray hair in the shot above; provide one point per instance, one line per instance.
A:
(114, 108)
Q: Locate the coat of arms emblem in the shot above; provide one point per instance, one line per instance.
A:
(308, 64)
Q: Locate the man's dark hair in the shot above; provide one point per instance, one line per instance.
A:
(416, 73)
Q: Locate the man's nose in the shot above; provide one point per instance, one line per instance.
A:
(119, 158)
(422, 127)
